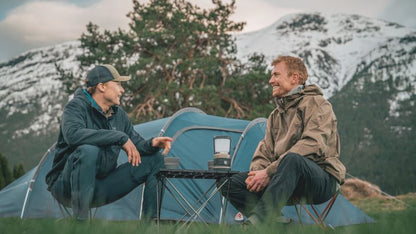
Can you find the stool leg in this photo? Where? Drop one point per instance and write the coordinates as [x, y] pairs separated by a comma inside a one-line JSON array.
[[329, 206], [310, 214], [95, 212], [320, 222], [298, 212]]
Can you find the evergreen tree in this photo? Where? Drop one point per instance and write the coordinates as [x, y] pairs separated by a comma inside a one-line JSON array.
[[5, 174], [250, 88], [18, 171], [179, 55]]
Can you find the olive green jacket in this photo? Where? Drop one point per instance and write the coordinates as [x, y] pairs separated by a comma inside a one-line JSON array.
[[303, 123]]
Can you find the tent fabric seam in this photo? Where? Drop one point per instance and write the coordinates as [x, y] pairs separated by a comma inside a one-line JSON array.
[[178, 113], [177, 134]]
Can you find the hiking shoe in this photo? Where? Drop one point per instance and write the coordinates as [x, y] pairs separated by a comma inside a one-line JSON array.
[[253, 219], [283, 220]]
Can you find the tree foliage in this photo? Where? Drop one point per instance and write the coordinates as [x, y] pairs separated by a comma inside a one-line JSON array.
[[180, 55], [18, 171], [6, 176]]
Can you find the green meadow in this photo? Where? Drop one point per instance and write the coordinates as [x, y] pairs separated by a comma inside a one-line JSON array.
[[391, 215]]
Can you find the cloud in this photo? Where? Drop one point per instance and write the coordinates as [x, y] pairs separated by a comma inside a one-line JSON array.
[[43, 23], [401, 11], [257, 14], [260, 14], [369, 8], [39, 22], [47, 22]]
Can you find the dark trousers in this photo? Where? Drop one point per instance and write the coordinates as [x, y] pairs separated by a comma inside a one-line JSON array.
[[296, 177], [81, 186]]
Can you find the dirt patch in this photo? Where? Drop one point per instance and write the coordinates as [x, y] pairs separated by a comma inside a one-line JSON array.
[[356, 189], [370, 198]]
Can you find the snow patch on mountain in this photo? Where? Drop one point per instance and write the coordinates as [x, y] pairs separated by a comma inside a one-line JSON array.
[[30, 83], [332, 45]]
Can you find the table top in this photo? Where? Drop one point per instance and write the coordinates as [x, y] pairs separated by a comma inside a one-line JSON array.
[[195, 174]]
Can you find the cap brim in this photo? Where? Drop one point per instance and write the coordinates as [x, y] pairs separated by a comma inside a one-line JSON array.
[[122, 78]]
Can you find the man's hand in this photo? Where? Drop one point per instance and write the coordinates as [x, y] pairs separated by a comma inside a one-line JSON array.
[[257, 180], [162, 142], [132, 153]]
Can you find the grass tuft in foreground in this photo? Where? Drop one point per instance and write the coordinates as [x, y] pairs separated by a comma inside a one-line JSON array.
[[391, 216]]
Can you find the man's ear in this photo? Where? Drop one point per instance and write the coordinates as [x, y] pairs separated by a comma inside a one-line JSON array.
[[295, 78], [101, 87]]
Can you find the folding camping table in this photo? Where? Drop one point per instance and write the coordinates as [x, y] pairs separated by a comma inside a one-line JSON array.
[[193, 210]]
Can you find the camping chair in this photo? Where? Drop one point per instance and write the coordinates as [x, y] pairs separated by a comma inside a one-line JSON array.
[[66, 213], [317, 217]]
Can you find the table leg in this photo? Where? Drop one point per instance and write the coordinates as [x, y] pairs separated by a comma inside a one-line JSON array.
[[224, 202], [184, 199], [159, 197]]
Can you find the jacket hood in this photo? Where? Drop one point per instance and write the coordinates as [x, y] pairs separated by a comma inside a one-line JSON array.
[[80, 95], [312, 90], [290, 100]]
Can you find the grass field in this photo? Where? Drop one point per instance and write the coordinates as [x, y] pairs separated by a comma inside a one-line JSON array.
[[391, 216]]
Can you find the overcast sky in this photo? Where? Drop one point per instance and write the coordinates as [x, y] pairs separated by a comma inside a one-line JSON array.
[[28, 24]]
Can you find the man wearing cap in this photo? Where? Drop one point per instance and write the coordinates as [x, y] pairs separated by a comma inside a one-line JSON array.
[[93, 130], [299, 155]]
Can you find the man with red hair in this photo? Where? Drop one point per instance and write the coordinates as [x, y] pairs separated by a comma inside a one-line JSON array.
[[299, 155]]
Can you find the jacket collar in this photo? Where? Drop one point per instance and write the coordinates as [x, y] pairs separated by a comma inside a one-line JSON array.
[[296, 95], [84, 96], [290, 99]]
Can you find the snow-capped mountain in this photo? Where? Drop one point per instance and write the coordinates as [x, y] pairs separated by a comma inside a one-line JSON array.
[[31, 101], [331, 45], [31, 83], [351, 57]]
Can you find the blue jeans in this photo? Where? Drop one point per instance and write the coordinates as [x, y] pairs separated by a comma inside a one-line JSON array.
[[83, 183]]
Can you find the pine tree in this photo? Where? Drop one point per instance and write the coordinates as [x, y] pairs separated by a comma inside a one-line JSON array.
[[5, 174], [18, 171], [179, 55]]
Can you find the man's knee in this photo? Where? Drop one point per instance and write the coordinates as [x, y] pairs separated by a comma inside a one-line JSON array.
[[150, 166], [224, 187], [88, 154], [292, 158], [88, 148], [153, 162], [233, 184], [158, 161]]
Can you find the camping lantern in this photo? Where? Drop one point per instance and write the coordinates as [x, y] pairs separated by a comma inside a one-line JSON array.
[[222, 145], [222, 160]]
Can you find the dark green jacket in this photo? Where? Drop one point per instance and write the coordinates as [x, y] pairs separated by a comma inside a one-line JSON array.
[[83, 122]]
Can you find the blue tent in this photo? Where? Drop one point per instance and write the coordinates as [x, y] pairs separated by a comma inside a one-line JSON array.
[[193, 132]]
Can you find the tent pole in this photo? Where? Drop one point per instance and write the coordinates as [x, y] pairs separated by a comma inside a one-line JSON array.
[[32, 181], [29, 189], [141, 202], [248, 127], [177, 113]]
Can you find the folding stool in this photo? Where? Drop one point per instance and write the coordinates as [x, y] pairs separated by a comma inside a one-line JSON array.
[[66, 213], [318, 218]]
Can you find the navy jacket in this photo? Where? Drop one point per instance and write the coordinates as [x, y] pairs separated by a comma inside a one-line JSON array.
[[83, 122]]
